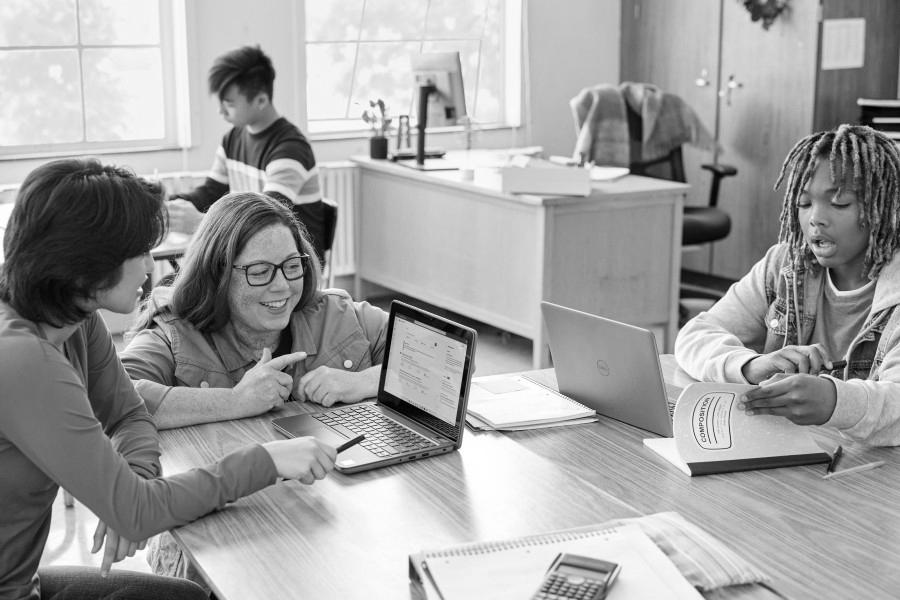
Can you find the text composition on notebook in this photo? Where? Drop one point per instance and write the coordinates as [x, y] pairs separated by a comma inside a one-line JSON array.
[[425, 368]]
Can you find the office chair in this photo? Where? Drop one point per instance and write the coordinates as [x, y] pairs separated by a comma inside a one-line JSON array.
[[701, 224], [329, 225]]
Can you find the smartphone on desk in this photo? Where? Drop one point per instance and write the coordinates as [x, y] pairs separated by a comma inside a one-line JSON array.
[[572, 576]]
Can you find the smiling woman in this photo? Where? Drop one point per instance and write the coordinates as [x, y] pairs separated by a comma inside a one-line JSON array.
[[244, 309], [244, 328]]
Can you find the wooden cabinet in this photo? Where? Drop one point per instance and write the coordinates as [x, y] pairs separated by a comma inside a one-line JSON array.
[[674, 44]]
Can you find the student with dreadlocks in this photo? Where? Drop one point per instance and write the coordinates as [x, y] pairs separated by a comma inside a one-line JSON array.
[[828, 291]]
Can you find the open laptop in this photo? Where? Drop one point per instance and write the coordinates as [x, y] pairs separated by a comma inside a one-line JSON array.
[[609, 366], [420, 409]]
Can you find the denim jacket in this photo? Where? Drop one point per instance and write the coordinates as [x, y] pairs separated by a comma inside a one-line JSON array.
[[332, 329], [775, 305]]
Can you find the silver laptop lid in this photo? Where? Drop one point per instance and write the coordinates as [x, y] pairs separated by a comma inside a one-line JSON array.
[[609, 366]]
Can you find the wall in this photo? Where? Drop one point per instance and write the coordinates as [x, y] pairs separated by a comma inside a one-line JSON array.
[[572, 44]]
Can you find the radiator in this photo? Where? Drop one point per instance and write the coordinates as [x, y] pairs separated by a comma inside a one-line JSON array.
[[339, 181]]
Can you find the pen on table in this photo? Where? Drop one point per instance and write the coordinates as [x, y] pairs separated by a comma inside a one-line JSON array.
[[835, 459], [856, 469], [350, 443]]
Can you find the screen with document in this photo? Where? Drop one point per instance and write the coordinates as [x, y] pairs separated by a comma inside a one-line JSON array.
[[425, 368]]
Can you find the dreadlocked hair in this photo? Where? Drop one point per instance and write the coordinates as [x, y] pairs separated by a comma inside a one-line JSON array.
[[859, 157]]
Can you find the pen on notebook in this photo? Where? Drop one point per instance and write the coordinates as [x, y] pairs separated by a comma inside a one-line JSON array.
[[856, 469], [835, 459], [350, 443]]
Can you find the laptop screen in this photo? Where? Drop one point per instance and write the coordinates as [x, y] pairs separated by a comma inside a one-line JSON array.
[[427, 368]]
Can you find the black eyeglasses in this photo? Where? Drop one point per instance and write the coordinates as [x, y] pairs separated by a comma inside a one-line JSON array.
[[262, 273]]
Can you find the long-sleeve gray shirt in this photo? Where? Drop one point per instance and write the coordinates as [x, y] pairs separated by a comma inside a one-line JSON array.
[[70, 417]]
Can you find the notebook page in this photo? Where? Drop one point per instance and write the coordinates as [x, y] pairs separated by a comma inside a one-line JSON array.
[[513, 570]]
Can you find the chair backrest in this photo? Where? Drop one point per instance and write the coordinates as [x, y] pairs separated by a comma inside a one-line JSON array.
[[329, 226], [670, 166]]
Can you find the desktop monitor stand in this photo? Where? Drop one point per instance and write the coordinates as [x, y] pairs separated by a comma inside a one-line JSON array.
[[421, 163]]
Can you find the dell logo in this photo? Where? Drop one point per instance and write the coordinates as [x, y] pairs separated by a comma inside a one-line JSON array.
[[603, 367]]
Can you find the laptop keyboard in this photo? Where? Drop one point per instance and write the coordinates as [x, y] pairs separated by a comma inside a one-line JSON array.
[[384, 436]]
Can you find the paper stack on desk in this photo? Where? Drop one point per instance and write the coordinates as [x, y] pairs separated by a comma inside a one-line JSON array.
[[515, 402], [528, 175]]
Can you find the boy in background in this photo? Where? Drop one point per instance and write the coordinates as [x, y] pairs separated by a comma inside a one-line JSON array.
[[263, 151]]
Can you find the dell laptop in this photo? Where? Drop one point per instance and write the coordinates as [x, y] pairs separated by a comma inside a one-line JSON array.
[[609, 366], [420, 409]]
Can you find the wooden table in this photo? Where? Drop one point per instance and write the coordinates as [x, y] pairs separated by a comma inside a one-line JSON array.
[[349, 536], [493, 256]]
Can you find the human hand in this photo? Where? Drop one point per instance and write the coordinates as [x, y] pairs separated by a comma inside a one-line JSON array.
[[117, 547], [790, 359], [326, 385], [183, 216], [264, 386], [305, 459], [803, 399]]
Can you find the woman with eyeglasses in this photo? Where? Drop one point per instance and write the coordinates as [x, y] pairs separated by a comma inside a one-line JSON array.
[[78, 240], [244, 327]]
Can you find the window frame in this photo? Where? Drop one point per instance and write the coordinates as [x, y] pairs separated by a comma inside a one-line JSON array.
[[176, 103], [512, 71]]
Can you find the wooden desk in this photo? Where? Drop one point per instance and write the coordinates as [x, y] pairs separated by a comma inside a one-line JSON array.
[[493, 256], [349, 536], [816, 538]]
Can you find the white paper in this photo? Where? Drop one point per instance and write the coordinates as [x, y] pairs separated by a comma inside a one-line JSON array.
[[843, 44]]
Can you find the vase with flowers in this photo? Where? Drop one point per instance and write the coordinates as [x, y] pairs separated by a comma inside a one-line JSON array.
[[377, 118]]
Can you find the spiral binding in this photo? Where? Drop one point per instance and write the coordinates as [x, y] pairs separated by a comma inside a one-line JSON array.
[[480, 548]]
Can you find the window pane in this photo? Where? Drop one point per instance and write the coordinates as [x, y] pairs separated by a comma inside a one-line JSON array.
[[455, 19], [38, 23], [333, 20], [123, 94], [329, 77], [40, 97], [383, 71], [394, 20], [119, 22]]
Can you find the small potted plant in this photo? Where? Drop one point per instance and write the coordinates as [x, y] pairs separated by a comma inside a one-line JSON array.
[[376, 116]]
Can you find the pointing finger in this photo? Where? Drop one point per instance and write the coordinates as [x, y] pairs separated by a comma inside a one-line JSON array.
[[266, 356], [285, 360]]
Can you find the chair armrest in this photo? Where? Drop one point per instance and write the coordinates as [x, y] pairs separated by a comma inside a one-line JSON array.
[[719, 170]]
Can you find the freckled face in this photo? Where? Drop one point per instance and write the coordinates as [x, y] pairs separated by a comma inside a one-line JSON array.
[[122, 297], [258, 310], [831, 226]]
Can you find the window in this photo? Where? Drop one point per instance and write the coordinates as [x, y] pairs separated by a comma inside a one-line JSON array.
[[357, 50], [87, 75]]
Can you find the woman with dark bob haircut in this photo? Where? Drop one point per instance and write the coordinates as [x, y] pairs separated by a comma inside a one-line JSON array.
[[78, 240]]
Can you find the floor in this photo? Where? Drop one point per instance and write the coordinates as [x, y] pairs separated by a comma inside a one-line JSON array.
[[72, 529]]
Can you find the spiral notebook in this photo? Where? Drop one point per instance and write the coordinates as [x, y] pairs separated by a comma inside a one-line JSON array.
[[513, 569], [511, 402]]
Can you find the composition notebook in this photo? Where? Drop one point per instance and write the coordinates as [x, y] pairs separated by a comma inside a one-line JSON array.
[[512, 402], [513, 569], [713, 435]]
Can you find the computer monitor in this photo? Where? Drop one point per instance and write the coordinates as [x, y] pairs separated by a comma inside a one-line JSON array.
[[440, 99]]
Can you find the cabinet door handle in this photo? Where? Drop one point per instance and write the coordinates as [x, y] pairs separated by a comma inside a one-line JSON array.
[[703, 80], [731, 85]]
